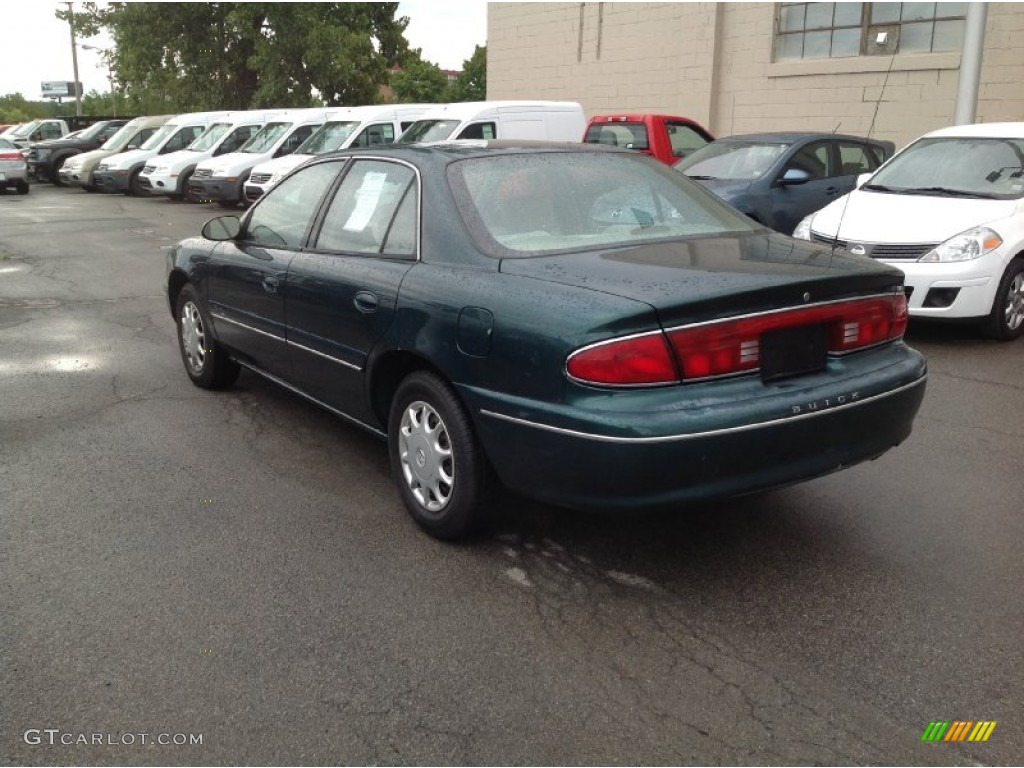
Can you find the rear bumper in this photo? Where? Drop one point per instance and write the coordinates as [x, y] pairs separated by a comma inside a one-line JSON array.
[[702, 447]]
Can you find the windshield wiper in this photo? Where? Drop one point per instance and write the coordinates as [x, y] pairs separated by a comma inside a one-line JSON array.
[[883, 188], [704, 178], [949, 192]]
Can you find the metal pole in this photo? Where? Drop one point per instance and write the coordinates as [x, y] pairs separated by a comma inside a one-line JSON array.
[[74, 60], [970, 64]]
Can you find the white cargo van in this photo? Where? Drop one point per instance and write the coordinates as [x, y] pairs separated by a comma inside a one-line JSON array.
[[221, 179], [169, 174], [345, 127], [120, 173], [544, 120]]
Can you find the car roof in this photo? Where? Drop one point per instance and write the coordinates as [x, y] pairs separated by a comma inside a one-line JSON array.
[[463, 148], [983, 130], [791, 137]]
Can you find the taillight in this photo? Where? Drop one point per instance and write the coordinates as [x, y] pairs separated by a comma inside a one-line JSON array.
[[632, 361], [733, 346], [10, 156]]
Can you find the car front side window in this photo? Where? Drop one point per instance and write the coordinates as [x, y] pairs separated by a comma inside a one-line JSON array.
[[815, 159], [282, 218], [373, 212]]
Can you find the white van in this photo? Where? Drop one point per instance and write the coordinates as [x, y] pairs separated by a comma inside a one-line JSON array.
[[545, 120], [948, 210], [120, 172], [221, 179], [169, 174], [345, 127]]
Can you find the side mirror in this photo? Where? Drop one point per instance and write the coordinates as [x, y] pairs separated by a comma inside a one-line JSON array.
[[222, 228], [795, 176], [863, 178]]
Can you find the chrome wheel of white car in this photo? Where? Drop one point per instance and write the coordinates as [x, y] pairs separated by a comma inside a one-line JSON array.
[[1015, 302], [1006, 320]]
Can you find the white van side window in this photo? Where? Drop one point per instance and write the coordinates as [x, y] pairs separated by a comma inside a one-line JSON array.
[[479, 131]]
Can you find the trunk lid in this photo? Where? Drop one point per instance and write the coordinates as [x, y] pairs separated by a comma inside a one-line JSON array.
[[689, 281]]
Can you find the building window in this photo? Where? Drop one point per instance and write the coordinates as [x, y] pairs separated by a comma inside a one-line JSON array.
[[833, 30]]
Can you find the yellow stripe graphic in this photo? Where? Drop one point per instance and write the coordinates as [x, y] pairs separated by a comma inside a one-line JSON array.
[[988, 731], [981, 726]]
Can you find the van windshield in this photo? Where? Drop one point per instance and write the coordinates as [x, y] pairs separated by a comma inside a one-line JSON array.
[[955, 166], [327, 138], [429, 130], [158, 138], [265, 139], [93, 131], [210, 138], [121, 138]]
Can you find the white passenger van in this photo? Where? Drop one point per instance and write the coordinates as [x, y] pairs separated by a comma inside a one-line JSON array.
[[169, 174], [120, 173], [221, 179], [545, 120], [345, 127]]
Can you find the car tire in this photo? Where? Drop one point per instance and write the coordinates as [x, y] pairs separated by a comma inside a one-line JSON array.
[[89, 187], [206, 363], [437, 462], [135, 189], [185, 195], [23, 187], [1006, 321], [55, 176], [229, 204]]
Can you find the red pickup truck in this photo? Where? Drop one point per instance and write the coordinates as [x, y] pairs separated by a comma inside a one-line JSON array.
[[664, 137]]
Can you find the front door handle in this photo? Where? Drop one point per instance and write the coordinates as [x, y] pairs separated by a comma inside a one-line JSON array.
[[271, 283], [365, 301]]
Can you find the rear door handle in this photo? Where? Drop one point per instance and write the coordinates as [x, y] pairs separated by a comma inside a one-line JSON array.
[[365, 301]]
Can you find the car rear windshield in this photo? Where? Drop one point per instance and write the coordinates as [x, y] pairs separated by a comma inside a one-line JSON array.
[[327, 138], [956, 166], [265, 139], [429, 130], [518, 205], [618, 134], [736, 160], [209, 138]]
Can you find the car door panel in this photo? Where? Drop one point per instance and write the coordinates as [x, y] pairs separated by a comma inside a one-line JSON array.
[[791, 202], [246, 277], [341, 294]]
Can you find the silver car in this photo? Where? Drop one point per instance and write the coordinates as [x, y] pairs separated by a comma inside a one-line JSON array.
[[13, 167]]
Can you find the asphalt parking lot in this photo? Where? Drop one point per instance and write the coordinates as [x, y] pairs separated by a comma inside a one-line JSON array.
[[238, 565]]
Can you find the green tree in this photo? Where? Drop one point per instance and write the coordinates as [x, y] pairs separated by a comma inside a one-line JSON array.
[[419, 82], [472, 83], [15, 108], [174, 57]]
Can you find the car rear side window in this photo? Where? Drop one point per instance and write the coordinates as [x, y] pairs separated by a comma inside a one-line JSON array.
[[855, 159], [284, 215], [684, 138], [373, 212]]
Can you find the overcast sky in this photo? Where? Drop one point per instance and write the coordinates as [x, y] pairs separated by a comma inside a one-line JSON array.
[[36, 46]]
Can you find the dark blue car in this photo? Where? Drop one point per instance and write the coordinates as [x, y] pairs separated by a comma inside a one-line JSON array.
[[778, 178]]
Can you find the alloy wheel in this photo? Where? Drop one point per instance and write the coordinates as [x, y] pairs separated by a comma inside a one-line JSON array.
[[1015, 302], [427, 460], [193, 337]]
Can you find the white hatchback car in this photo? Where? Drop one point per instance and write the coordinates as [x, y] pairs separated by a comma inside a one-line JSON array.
[[948, 210]]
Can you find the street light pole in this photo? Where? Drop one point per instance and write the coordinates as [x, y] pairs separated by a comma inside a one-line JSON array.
[[74, 60], [105, 53]]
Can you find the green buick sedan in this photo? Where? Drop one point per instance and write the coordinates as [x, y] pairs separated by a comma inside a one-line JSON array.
[[577, 324]]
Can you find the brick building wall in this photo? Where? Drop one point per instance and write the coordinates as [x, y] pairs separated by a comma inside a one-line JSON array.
[[713, 62]]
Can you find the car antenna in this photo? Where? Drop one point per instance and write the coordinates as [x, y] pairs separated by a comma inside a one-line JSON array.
[[836, 129], [871, 128]]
